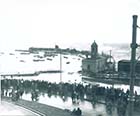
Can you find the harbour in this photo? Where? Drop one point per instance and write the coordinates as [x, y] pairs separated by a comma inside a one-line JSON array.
[[69, 58]]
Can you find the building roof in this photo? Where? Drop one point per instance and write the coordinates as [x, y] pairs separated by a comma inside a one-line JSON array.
[[127, 61]]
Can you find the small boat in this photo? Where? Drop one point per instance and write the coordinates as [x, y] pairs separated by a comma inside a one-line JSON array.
[[22, 61], [49, 59], [66, 57], [1, 52], [81, 56], [37, 60], [24, 53], [70, 73], [67, 62], [11, 54]]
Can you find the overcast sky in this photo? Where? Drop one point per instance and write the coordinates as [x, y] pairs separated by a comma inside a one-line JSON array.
[[43, 23]]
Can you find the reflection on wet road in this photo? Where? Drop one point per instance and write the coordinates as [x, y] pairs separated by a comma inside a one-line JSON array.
[[88, 108], [8, 109]]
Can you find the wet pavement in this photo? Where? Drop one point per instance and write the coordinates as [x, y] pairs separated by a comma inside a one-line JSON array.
[[53, 108], [41, 109], [88, 109], [10, 109]]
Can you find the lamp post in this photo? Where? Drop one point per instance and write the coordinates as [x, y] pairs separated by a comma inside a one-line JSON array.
[[60, 65], [132, 67]]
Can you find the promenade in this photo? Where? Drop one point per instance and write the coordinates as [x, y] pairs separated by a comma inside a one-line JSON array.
[[41, 109], [46, 110], [10, 109]]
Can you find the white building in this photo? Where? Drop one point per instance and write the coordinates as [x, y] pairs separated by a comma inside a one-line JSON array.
[[95, 63]]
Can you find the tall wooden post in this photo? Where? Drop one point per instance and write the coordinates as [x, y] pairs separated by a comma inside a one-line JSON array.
[[132, 67]]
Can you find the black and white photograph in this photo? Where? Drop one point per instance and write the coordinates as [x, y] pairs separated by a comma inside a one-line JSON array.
[[69, 57]]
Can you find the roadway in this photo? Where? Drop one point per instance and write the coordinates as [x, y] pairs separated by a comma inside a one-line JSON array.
[[9, 109]]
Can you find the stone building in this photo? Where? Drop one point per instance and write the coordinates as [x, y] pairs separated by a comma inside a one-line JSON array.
[[95, 63]]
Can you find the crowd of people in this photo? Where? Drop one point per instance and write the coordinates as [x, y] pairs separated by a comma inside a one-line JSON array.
[[77, 91]]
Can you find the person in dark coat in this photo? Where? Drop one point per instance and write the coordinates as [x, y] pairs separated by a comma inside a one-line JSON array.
[[78, 112]]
